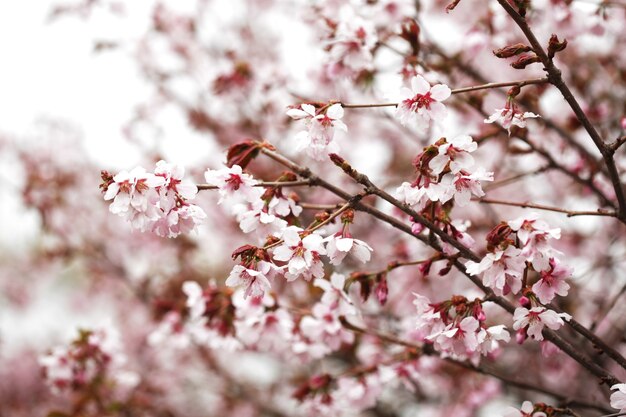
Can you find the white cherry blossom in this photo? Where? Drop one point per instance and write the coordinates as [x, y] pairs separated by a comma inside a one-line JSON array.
[[618, 398], [509, 116], [301, 254], [233, 184], [339, 246], [317, 140], [421, 104]]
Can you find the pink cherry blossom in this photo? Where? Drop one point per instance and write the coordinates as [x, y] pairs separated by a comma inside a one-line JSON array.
[[334, 294], [458, 339], [351, 48], [301, 254], [175, 183], [255, 281], [179, 220], [502, 270], [489, 338], [134, 190], [283, 206], [534, 234], [534, 320], [256, 218], [462, 186], [552, 282], [421, 104]]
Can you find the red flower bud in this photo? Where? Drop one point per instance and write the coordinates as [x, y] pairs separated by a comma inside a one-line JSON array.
[[554, 46], [512, 50], [525, 60], [452, 5]]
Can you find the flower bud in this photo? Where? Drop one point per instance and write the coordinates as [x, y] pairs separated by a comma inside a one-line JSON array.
[[555, 46], [452, 5], [242, 153], [381, 290], [524, 61], [524, 301], [512, 50]]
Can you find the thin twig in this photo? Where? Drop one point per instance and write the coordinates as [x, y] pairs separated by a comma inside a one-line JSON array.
[[487, 86], [570, 213], [262, 184]]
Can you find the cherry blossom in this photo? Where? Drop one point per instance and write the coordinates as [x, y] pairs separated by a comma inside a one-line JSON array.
[[317, 140], [534, 320], [502, 270], [350, 49], [134, 195], [421, 104], [510, 116], [459, 339], [179, 220], [462, 186], [175, 183], [490, 337], [92, 357], [534, 234], [255, 217], [456, 153], [255, 281], [527, 410], [552, 282], [233, 184], [338, 247], [618, 398], [302, 254]]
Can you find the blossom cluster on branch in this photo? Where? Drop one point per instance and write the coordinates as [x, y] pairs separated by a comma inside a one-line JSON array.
[[419, 210]]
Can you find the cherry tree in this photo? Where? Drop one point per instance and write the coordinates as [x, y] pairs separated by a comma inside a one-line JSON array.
[[410, 208]]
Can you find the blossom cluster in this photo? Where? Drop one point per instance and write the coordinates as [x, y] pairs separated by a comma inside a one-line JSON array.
[[218, 318], [321, 124], [94, 360], [157, 201], [457, 329], [445, 171], [514, 247]]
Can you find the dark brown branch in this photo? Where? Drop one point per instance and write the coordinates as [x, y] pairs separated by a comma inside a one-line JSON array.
[[507, 380], [556, 79], [550, 335]]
